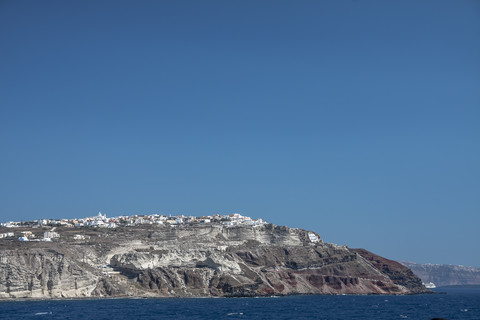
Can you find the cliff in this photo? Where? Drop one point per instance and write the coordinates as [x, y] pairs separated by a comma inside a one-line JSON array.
[[445, 274], [192, 261]]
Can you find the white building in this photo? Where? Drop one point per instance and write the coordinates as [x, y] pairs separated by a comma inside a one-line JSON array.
[[101, 217], [50, 235], [313, 237], [28, 234], [97, 223], [43, 222], [10, 224], [6, 235]]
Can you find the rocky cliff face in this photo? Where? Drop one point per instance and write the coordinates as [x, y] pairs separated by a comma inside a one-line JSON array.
[[201, 260], [444, 274]]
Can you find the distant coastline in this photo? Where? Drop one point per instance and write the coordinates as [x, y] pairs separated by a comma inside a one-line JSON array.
[[442, 275], [459, 286]]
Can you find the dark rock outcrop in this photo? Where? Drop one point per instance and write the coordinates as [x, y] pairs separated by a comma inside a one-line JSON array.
[[397, 272]]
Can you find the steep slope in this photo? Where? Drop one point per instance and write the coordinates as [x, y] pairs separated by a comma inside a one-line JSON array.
[[197, 260], [398, 273]]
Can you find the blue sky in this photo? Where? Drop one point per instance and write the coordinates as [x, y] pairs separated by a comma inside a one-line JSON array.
[[356, 119]]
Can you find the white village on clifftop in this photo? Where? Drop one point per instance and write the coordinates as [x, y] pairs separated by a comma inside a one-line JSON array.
[[102, 221]]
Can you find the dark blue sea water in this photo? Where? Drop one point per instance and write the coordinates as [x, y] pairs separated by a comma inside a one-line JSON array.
[[455, 304]]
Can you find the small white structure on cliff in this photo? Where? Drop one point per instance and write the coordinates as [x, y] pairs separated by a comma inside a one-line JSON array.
[[10, 224], [6, 235], [313, 237], [51, 235]]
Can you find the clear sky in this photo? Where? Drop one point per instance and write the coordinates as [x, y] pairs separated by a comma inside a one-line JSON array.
[[356, 119]]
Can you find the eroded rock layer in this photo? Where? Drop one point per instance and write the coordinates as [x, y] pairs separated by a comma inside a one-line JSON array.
[[199, 260]]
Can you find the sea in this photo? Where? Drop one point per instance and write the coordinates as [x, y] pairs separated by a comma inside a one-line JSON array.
[[448, 303]]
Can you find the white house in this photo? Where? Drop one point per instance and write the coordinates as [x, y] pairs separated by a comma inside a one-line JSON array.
[[6, 235], [313, 237], [50, 235]]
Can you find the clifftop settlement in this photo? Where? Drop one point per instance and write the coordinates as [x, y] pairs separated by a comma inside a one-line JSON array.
[[178, 256], [102, 221]]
